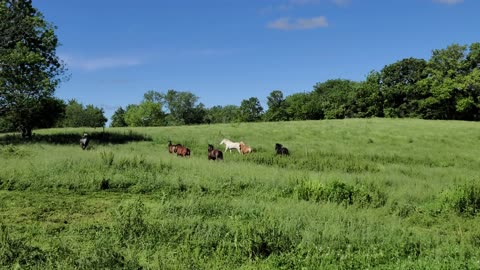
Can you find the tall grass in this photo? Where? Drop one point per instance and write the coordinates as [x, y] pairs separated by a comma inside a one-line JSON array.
[[353, 194]]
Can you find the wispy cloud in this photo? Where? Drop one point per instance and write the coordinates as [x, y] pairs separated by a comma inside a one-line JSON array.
[[314, 2], [92, 64], [299, 24], [448, 2], [109, 107], [292, 4]]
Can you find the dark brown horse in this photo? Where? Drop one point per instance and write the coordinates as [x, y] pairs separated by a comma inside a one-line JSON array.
[[172, 147], [281, 150], [182, 150], [214, 154]]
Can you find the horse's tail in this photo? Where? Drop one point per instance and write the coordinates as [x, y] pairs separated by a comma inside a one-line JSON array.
[[220, 155]]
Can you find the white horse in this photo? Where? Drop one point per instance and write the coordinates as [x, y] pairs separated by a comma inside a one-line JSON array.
[[229, 145]]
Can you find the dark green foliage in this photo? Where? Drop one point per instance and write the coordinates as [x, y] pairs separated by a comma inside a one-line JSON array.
[[183, 108], [76, 115], [303, 106], [277, 109], [222, 114], [30, 69], [336, 97], [148, 113], [118, 118], [398, 86], [250, 110]]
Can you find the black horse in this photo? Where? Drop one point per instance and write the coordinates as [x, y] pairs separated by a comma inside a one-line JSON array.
[[214, 154], [281, 150], [84, 141]]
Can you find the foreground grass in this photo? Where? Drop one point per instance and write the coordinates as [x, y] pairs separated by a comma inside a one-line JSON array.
[[354, 194]]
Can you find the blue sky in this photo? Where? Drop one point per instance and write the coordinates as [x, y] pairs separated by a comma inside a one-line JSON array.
[[225, 51]]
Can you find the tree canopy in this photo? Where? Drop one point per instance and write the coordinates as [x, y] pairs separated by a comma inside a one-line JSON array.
[[78, 115], [30, 70]]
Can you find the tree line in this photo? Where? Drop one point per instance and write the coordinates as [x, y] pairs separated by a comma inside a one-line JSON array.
[[446, 86]]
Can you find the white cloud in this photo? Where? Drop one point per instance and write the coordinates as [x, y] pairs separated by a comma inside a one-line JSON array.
[[298, 24], [448, 2], [293, 4], [92, 64]]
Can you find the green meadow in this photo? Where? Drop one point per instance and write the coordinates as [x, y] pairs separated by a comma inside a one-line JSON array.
[[353, 194]]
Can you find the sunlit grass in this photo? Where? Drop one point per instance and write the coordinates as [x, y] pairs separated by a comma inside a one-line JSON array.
[[353, 194]]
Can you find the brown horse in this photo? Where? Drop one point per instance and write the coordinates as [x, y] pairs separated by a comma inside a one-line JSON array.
[[245, 149], [214, 154], [172, 147], [182, 150]]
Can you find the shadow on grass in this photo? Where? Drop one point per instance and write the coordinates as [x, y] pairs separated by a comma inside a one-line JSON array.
[[74, 138]]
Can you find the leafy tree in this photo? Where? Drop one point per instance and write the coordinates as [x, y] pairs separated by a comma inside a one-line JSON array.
[[47, 113], [250, 110], [303, 106], [51, 111], [134, 116], [118, 118], [29, 67], [472, 60], [368, 100], [219, 114], [183, 108], [398, 84], [76, 115], [145, 114], [94, 116], [336, 97], [276, 107], [148, 113], [451, 81]]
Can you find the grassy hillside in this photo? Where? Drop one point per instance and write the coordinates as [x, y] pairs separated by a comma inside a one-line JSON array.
[[353, 194]]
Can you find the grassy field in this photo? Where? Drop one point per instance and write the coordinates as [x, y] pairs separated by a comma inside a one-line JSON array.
[[353, 194]]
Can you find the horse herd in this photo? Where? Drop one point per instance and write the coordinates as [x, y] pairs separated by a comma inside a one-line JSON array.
[[213, 154]]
